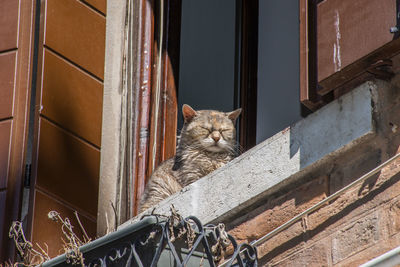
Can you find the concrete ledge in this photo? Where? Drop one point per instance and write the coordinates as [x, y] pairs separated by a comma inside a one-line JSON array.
[[279, 159]]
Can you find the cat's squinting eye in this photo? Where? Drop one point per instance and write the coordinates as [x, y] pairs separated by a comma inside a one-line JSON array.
[[205, 128]]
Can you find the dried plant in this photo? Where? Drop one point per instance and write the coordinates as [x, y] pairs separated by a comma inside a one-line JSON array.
[[222, 242], [73, 242], [29, 255], [6, 264], [34, 255], [178, 227]]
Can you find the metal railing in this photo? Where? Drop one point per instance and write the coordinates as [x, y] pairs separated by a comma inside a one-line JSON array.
[[174, 241], [163, 241]]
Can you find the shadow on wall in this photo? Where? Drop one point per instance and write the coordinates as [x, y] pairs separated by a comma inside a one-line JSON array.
[[333, 127], [331, 217]]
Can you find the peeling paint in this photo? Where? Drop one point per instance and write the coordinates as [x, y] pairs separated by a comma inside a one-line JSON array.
[[337, 61]]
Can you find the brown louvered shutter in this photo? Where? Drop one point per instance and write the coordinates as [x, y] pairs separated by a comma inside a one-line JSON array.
[[66, 159], [16, 50]]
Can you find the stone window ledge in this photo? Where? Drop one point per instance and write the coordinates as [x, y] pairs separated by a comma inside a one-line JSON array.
[[279, 160]]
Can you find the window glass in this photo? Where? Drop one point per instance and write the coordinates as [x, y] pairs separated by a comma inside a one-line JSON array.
[[278, 104], [207, 55]]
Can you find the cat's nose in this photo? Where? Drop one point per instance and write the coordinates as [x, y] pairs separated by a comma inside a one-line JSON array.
[[216, 136]]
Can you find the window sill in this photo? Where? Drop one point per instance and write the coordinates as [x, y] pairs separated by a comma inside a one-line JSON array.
[[279, 160]]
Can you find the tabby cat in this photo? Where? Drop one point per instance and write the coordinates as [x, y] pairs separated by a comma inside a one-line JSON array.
[[207, 142]]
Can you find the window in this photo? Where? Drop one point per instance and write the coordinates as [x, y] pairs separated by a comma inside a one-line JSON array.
[[220, 55], [263, 56], [229, 48]]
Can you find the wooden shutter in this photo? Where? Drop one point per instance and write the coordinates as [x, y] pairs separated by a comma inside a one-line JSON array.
[[16, 46], [156, 102], [69, 98], [308, 56], [345, 43], [353, 37]]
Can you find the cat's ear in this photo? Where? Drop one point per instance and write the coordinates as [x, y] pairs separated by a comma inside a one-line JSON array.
[[188, 113], [234, 114]]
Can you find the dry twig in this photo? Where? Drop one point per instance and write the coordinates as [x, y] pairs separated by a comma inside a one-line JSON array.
[[29, 255], [178, 227], [34, 257], [219, 248], [72, 243]]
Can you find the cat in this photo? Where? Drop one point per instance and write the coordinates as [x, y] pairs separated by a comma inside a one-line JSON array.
[[207, 142]]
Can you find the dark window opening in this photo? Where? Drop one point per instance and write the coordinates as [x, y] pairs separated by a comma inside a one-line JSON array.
[[207, 55], [242, 54]]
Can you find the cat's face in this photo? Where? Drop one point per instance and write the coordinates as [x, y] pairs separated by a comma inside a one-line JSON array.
[[211, 130]]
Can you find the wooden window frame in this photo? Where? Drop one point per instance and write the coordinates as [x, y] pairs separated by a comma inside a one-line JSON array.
[[309, 96], [147, 123], [155, 129]]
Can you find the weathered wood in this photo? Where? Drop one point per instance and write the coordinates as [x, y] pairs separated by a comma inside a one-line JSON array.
[[165, 80], [143, 98], [23, 80], [359, 68], [353, 35]]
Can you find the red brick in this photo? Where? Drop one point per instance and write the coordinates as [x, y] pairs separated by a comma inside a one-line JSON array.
[[355, 237], [283, 244], [394, 218], [317, 255], [278, 211], [371, 252], [356, 201], [361, 224]]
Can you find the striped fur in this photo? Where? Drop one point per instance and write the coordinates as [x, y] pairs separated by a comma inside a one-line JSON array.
[[207, 142]]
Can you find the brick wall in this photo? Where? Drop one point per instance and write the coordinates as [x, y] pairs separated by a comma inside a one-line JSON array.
[[361, 224]]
